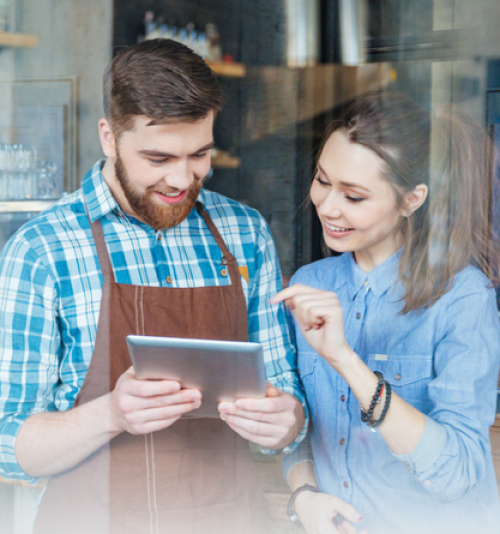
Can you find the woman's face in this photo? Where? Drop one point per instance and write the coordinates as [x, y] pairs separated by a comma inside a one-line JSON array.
[[355, 204]]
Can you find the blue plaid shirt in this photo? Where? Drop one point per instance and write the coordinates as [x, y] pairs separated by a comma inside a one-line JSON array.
[[51, 283]]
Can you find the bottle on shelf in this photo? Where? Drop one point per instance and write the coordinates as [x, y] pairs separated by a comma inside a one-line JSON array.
[[214, 47], [6, 16]]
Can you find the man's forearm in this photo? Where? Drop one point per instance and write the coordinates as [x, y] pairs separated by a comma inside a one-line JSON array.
[[52, 442]]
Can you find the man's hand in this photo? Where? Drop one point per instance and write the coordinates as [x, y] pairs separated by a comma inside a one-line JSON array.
[[143, 406], [272, 422], [321, 513]]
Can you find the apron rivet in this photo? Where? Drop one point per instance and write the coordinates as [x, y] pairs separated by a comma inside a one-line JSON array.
[[223, 272], [169, 279]]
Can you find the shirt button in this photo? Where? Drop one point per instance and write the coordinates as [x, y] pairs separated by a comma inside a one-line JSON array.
[[223, 272], [397, 376], [358, 316], [346, 484], [169, 279], [342, 398], [341, 441], [158, 237]]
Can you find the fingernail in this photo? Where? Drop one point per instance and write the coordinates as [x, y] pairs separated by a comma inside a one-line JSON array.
[[223, 416], [359, 518], [195, 397], [197, 404]]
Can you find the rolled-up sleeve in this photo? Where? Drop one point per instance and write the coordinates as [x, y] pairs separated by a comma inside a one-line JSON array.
[[27, 340], [268, 325], [451, 456]]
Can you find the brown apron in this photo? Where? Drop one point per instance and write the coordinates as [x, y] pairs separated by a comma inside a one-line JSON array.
[[194, 477]]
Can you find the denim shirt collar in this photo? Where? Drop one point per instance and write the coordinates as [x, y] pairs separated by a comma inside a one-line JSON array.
[[379, 280]]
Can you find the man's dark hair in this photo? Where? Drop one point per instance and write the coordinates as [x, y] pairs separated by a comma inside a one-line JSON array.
[[162, 80]]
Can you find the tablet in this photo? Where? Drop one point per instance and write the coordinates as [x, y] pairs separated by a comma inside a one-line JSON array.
[[221, 370]]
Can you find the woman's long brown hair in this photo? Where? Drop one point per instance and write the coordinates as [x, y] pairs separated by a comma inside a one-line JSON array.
[[447, 152]]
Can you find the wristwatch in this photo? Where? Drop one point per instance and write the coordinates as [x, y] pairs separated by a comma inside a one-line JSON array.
[[290, 510]]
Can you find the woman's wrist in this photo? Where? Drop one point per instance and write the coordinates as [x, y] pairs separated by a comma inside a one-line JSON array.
[[303, 502], [344, 361]]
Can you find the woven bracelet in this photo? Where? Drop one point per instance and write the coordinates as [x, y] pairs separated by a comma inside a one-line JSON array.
[[366, 417], [379, 421]]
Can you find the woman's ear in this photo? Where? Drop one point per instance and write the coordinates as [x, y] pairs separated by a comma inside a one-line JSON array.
[[414, 199], [107, 138]]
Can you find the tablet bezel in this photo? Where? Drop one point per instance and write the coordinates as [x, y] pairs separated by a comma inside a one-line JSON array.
[[222, 370]]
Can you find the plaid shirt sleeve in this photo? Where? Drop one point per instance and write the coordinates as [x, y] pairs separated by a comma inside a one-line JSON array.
[[28, 337], [269, 326]]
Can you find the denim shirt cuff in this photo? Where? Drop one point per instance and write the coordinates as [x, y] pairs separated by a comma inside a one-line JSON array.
[[427, 450]]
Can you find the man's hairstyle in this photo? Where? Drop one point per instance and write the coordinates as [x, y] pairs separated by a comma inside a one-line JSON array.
[[162, 80]]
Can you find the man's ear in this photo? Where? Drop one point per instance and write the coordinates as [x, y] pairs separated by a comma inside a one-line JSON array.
[[414, 199], [107, 138]]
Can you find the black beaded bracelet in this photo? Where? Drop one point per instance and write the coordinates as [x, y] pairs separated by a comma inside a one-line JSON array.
[[366, 417], [379, 421]]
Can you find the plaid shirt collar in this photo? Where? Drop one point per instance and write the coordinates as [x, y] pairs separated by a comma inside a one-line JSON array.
[[99, 198]]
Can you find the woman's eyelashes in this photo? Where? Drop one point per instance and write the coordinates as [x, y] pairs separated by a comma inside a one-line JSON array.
[[356, 200], [321, 180], [348, 196]]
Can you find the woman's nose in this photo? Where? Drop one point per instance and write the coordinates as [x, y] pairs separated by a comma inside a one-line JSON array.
[[329, 207]]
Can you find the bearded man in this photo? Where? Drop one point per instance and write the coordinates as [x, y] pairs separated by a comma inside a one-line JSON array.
[[142, 248]]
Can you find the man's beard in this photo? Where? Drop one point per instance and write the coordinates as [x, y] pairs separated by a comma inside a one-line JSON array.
[[148, 209]]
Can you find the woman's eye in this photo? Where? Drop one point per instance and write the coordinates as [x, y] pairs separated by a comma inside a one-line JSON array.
[[320, 181], [354, 199]]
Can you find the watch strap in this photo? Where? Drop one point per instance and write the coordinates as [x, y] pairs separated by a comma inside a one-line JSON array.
[[290, 510]]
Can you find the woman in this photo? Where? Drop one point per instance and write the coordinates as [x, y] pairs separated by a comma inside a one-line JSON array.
[[406, 449]]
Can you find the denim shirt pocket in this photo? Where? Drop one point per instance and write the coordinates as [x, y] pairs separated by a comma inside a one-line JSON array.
[[408, 374], [307, 364]]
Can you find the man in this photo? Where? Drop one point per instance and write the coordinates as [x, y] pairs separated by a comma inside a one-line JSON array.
[[141, 248]]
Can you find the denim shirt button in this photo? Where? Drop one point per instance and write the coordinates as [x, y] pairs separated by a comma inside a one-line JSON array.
[[346, 484], [397, 376], [358, 316]]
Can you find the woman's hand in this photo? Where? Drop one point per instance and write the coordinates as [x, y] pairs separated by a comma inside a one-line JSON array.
[[321, 513], [319, 316]]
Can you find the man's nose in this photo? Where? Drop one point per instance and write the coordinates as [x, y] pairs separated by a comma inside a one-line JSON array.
[[179, 176]]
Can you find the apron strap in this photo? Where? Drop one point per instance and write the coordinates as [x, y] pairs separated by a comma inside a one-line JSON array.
[[227, 258], [102, 249]]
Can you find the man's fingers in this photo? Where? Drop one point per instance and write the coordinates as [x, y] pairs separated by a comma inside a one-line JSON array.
[[263, 441], [161, 414], [128, 404], [148, 388]]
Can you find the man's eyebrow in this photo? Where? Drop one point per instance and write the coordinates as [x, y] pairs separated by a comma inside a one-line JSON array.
[[161, 154], [345, 184]]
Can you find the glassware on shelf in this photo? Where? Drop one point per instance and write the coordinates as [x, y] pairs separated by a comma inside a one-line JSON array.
[[17, 171], [6, 16], [46, 180]]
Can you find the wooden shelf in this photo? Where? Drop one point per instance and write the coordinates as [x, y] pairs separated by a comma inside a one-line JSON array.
[[229, 70], [25, 206], [225, 161], [19, 40]]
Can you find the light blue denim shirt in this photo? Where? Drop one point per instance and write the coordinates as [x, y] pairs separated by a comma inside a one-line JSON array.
[[443, 360]]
